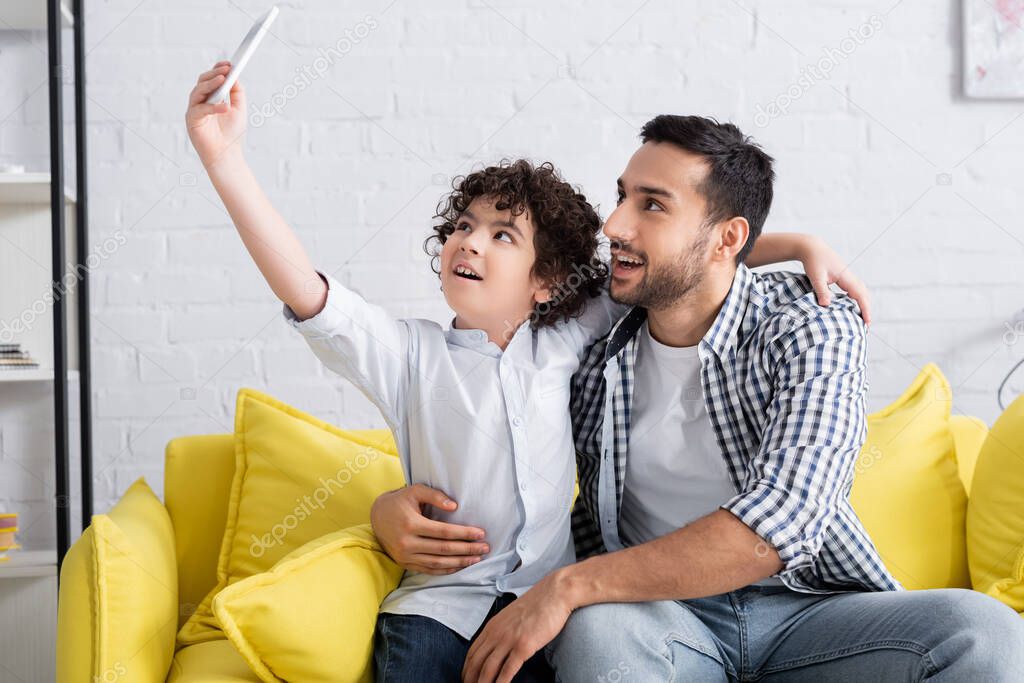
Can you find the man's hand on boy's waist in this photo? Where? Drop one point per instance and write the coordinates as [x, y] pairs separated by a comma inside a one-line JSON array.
[[420, 544]]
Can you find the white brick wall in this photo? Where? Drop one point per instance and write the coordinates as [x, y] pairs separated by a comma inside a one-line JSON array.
[[358, 160]]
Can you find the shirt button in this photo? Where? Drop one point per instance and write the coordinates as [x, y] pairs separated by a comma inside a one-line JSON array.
[[521, 545], [522, 486], [517, 421]]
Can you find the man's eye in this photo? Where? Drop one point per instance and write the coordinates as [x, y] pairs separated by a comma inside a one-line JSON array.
[[502, 232], [652, 205]]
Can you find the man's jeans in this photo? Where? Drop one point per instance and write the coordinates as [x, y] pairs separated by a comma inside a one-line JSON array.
[[771, 633], [416, 649]]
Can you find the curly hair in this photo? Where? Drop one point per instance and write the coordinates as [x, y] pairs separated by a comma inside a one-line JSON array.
[[565, 236]]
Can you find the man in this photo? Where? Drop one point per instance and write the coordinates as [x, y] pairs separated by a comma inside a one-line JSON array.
[[717, 427]]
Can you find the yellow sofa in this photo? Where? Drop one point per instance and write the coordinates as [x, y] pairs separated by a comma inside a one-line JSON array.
[[196, 506]]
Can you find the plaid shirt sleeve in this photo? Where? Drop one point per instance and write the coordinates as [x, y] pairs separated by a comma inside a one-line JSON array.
[[814, 429]]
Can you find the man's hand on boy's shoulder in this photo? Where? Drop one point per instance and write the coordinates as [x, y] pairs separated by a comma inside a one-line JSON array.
[[420, 544]]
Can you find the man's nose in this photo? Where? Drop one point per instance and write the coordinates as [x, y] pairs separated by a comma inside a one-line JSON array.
[[619, 225]]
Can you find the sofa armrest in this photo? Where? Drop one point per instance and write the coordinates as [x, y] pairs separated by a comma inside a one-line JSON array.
[[117, 603]]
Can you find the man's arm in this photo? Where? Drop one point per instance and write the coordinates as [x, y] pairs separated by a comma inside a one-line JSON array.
[[814, 429], [718, 551], [714, 554]]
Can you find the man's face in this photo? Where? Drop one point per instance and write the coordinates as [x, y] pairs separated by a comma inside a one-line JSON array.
[[497, 249], [658, 233]]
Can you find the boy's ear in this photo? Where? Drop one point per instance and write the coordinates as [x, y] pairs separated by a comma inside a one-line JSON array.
[[542, 294]]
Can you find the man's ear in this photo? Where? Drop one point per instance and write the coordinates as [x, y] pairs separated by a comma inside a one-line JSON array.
[[733, 235]]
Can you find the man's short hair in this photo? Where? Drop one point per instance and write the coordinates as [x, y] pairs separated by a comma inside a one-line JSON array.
[[740, 175]]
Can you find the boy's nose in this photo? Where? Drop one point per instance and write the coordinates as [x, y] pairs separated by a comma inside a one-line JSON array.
[[470, 241]]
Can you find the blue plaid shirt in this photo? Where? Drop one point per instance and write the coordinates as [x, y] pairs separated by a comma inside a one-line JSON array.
[[784, 386]]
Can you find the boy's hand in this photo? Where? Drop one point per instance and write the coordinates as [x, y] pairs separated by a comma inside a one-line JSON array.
[[215, 129], [418, 543], [824, 267]]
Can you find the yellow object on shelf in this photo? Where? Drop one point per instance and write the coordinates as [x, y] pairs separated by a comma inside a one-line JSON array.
[[8, 527], [4, 549]]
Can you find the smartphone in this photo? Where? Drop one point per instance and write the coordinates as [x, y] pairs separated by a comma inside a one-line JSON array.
[[242, 55]]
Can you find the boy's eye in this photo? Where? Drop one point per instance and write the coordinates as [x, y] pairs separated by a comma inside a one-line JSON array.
[[462, 225], [502, 232]]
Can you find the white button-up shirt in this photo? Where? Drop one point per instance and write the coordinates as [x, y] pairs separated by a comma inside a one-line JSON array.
[[489, 428]]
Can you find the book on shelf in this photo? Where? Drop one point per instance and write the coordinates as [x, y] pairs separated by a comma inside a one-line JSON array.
[[13, 357], [19, 363]]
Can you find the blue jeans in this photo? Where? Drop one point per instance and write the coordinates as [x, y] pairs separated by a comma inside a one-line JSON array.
[[413, 649], [770, 633]]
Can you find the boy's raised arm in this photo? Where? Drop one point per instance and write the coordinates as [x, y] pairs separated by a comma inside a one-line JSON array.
[[217, 132]]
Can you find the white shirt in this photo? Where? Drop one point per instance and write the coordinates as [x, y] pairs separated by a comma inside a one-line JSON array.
[[489, 428], [675, 472]]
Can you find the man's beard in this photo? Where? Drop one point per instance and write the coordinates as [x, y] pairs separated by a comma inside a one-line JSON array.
[[667, 284]]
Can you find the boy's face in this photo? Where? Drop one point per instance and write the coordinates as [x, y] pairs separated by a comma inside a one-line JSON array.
[[497, 250]]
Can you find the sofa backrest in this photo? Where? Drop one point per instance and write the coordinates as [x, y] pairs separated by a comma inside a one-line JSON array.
[[198, 471], [968, 434], [197, 486]]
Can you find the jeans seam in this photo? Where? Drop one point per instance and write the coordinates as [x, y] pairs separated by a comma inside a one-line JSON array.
[[741, 632], [676, 637], [929, 664], [387, 657], [909, 645]]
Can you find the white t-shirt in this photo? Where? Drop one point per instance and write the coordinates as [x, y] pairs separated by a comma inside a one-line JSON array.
[[675, 472]]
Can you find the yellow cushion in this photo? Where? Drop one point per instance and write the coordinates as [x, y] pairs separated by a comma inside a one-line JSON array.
[[312, 617], [119, 600], [907, 489], [214, 661], [296, 478], [995, 513], [968, 435]]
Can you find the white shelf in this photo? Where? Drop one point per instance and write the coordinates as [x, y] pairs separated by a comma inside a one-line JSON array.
[[23, 563], [29, 188], [34, 375], [31, 15]]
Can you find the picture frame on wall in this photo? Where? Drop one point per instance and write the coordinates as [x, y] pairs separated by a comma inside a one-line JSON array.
[[993, 49]]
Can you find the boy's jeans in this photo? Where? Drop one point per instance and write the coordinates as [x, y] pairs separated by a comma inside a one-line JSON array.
[[771, 633], [415, 649]]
